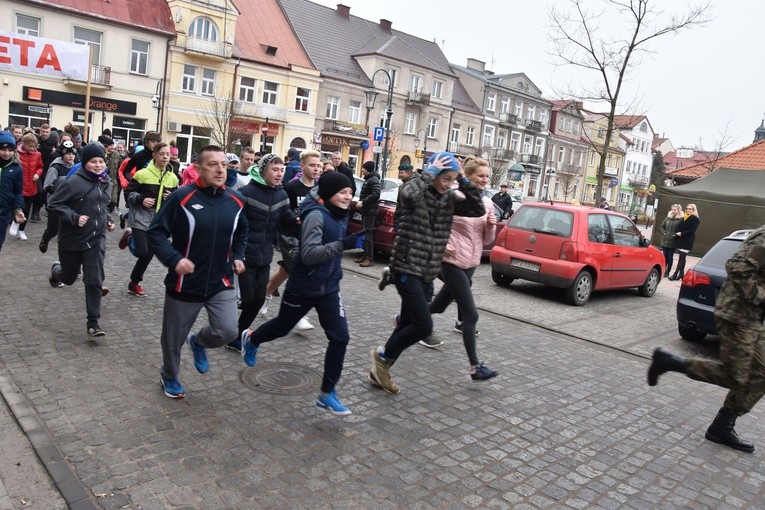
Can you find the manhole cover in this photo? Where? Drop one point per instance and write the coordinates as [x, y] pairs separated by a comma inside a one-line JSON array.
[[281, 378]]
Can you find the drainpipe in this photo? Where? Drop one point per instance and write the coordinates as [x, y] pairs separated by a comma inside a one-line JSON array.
[[163, 97], [449, 131], [231, 103]]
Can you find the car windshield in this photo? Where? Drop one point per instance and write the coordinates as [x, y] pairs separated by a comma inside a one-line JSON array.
[[720, 253], [389, 195], [543, 220]]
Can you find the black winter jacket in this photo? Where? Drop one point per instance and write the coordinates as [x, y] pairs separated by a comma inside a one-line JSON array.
[[687, 229], [79, 195], [267, 210], [370, 194]]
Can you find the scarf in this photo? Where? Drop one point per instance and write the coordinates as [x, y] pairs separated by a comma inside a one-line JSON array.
[[686, 216]]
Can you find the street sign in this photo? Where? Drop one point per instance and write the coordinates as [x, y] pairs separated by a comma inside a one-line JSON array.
[[379, 134], [376, 149], [364, 145], [38, 109]]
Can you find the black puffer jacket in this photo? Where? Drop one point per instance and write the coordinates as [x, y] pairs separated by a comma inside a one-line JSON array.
[[687, 229], [425, 222], [266, 209], [370, 194]]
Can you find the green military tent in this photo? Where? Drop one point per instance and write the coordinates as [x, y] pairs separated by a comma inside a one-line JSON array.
[[727, 200]]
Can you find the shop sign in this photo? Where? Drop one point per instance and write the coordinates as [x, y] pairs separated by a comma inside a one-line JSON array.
[[78, 100]]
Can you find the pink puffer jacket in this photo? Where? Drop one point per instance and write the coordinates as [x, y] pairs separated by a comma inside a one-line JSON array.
[[468, 237]]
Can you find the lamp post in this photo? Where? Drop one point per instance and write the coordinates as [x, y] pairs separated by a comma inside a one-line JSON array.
[[371, 95], [424, 144], [156, 102]]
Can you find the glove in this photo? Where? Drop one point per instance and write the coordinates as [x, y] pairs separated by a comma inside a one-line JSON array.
[[349, 242]]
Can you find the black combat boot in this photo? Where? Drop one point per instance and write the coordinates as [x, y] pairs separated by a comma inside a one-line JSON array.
[[664, 361], [721, 431]]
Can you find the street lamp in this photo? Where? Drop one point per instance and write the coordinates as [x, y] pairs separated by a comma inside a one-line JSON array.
[[156, 101], [371, 95], [424, 145]]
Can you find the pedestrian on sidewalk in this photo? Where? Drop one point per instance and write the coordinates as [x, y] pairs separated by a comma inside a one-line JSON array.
[[146, 192], [428, 205], [81, 203], [314, 282], [461, 256], [200, 234], [11, 185], [369, 199], [668, 239], [684, 238], [739, 313]]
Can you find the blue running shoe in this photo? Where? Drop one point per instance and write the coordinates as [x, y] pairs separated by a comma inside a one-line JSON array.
[[332, 404], [172, 387], [482, 373], [201, 364], [249, 351]]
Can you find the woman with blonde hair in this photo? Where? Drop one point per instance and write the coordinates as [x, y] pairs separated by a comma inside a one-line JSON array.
[[668, 239], [685, 234]]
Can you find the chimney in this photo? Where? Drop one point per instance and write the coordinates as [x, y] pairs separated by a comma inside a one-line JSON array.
[[385, 25], [477, 65], [344, 11]]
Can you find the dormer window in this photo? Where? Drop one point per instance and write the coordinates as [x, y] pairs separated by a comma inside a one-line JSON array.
[[203, 28]]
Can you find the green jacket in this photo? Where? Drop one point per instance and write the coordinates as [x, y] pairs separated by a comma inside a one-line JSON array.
[[149, 182], [667, 230], [740, 300]]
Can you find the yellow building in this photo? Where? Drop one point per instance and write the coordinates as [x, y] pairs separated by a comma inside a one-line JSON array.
[[595, 125]]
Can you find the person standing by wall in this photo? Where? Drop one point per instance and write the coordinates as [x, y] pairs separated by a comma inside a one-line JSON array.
[[668, 239], [684, 238], [200, 234], [739, 313], [369, 200]]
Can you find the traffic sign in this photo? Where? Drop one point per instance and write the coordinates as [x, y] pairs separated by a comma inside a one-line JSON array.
[[376, 149], [364, 145], [379, 134]]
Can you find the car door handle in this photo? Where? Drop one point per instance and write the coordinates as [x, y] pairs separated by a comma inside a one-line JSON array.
[[617, 255]]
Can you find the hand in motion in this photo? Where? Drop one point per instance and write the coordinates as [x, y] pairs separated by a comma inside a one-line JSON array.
[[184, 267]]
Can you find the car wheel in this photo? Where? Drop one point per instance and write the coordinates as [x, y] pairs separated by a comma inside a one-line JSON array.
[[650, 285], [691, 334], [581, 290], [501, 279]]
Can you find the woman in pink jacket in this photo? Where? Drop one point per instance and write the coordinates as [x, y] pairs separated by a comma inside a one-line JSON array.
[[462, 255]]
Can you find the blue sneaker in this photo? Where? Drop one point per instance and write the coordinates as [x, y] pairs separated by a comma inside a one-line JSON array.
[[249, 351], [332, 404], [172, 387], [200, 356], [236, 345]]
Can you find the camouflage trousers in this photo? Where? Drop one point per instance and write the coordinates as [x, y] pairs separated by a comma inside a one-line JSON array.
[[741, 367]]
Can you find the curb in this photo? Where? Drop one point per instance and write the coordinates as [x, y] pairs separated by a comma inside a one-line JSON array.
[[59, 470]]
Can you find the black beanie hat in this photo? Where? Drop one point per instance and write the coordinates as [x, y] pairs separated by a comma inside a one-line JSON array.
[[330, 183], [90, 151]]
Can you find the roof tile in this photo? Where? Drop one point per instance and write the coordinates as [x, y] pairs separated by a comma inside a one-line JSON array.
[[154, 16], [751, 157]]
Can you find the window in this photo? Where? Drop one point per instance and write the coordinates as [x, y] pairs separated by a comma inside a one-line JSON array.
[[469, 136], [333, 108], [539, 147], [598, 230], [644, 127], [415, 83], [543, 117], [203, 28], [527, 145], [432, 125], [488, 136], [301, 99], [601, 133], [561, 154], [189, 83], [491, 102], [531, 112], [456, 128], [592, 158], [410, 123], [139, 56], [247, 90], [438, 89], [515, 141], [208, 82], [624, 232], [27, 25], [505, 105], [354, 112], [392, 72], [501, 139], [519, 110], [89, 38], [577, 127], [270, 90]]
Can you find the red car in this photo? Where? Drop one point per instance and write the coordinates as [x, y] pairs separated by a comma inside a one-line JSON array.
[[579, 249], [384, 234]]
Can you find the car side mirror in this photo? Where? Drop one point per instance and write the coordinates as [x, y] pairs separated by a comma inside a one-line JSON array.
[[644, 242]]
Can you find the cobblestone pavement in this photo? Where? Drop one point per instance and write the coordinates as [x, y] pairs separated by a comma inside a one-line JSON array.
[[567, 424]]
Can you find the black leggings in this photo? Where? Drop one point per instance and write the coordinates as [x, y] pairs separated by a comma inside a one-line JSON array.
[[28, 205], [144, 253], [457, 288], [681, 262]]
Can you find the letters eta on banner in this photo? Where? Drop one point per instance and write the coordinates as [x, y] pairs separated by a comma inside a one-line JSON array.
[[24, 53]]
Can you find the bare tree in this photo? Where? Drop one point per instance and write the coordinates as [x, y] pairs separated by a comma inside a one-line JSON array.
[[578, 41], [498, 162], [567, 182], [217, 118]]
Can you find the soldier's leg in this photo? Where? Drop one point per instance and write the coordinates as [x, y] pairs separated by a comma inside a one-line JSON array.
[[743, 399]]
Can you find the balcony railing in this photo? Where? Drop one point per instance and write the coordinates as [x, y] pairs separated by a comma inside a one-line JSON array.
[[532, 159], [508, 118], [260, 111], [216, 48], [568, 168], [534, 125], [101, 75], [348, 128], [504, 154], [418, 97]]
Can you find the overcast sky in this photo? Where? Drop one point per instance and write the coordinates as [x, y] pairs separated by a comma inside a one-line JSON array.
[[692, 87]]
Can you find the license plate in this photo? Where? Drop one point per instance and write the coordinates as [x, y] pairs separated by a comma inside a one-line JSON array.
[[357, 216], [525, 264]]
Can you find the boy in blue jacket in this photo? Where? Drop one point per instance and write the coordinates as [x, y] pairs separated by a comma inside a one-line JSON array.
[[11, 183]]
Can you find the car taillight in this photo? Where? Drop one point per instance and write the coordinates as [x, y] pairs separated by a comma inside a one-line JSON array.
[[693, 278], [386, 217], [568, 251], [502, 238]]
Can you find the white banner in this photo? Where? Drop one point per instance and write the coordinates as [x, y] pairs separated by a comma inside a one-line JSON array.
[[24, 53]]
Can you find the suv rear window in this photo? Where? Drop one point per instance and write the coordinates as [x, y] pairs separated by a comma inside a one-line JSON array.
[[721, 252], [543, 220]]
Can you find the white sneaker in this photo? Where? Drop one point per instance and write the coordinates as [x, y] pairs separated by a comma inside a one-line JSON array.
[[264, 308], [303, 325], [22, 235], [14, 229]]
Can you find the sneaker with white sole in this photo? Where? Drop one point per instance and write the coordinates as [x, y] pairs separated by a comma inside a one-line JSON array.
[[236, 345], [458, 327], [303, 325], [264, 309], [172, 387], [14, 229], [249, 351], [332, 404], [22, 235], [379, 375], [384, 278], [201, 364], [431, 342]]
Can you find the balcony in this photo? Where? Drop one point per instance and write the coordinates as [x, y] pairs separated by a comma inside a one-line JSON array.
[[504, 154], [568, 168], [534, 125], [218, 49], [418, 98], [508, 119], [531, 159], [260, 111], [462, 149], [612, 170], [100, 78], [637, 181], [346, 128]]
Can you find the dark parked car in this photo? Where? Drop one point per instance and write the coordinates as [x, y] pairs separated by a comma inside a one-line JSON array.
[[384, 233], [700, 286]]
